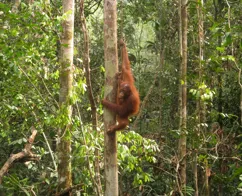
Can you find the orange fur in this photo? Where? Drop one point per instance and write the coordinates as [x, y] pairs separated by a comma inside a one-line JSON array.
[[128, 100]]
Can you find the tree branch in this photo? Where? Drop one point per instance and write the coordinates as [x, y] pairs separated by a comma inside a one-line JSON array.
[[26, 153]]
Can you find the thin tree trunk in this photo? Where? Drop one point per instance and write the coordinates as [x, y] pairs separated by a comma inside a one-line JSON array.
[[111, 67], [200, 104], [183, 94], [66, 80], [178, 181], [217, 14], [239, 81], [195, 173], [161, 62], [161, 42], [97, 183], [240, 104], [218, 8]]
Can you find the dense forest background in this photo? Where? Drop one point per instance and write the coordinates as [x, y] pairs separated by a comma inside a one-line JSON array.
[[148, 150]]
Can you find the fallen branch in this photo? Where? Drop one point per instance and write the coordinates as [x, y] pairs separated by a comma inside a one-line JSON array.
[[26, 154]]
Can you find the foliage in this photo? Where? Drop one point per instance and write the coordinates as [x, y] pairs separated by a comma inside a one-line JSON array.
[[29, 90], [29, 86], [136, 156]]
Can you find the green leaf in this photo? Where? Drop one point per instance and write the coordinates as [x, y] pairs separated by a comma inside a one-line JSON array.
[[231, 58], [220, 49], [228, 39]]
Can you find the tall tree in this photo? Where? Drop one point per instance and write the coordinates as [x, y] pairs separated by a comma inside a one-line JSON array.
[[66, 80], [218, 14], [86, 57], [111, 67], [201, 107], [183, 95]]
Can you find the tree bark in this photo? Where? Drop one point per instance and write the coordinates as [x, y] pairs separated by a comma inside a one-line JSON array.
[[201, 107], [200, 104], [218, 7], [111, 67], [183, 98], [25, 153], [66, 80]]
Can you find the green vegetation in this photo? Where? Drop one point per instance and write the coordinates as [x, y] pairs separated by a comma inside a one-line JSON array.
[[148, 150]]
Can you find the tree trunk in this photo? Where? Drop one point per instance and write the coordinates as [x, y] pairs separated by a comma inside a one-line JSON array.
[[218, 7], [66, 79], [201, 111], [183, 98], [97, 180], [240, 105], [111, 67], [201, 105]]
